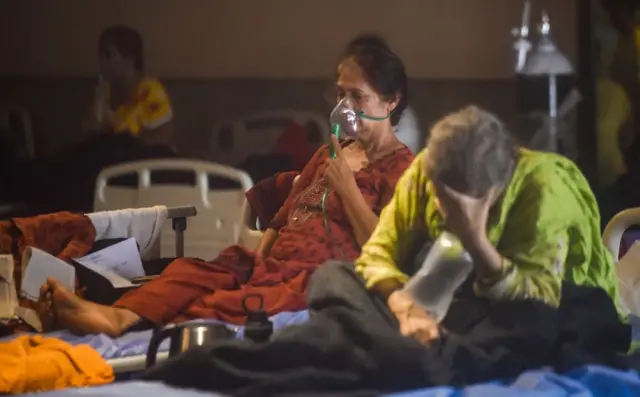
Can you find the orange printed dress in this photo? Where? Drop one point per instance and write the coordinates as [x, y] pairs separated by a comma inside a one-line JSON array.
[[150, 109], [191, 288]]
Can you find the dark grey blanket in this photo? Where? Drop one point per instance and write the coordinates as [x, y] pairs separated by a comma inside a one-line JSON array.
[[351, 345]]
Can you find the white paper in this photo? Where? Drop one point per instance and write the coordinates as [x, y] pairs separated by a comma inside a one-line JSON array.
[[122, 258], [30, 317], [41, 266], [118, 263], [116, 280]]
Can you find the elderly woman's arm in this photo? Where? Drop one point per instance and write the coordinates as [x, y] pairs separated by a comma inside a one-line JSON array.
[[393, 236], [529, 261], [280, 219], [362, 219]]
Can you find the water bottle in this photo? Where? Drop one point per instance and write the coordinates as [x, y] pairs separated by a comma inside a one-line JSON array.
[[445, 268], [257, 327]]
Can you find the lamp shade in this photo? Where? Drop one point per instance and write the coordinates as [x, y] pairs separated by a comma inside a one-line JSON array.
[[546, 59]]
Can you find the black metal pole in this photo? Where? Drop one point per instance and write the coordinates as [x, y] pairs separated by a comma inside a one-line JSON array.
[[586, 80]]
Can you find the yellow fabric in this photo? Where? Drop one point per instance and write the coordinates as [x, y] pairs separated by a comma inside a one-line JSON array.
[[34, 363], [150, 109], [614, 111], [546, 226]]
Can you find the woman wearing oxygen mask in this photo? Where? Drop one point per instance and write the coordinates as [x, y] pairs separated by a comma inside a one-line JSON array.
[[329, 214]]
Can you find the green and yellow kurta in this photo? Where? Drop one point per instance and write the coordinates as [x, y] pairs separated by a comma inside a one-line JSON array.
[[546, 226]]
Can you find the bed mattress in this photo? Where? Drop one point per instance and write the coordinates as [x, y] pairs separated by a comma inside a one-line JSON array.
[[591, 381], [128, 352]]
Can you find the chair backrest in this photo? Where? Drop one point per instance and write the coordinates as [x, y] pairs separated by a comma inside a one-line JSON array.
[[628, 268], [251, 235], [15, 126], [616, 228], [219, 222], [233, 141]]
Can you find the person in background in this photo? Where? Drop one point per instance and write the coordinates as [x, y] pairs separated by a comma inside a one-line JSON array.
[[125, 100], [131, 119], [618, 100], [528, 220], [616, 33], [617, 38], [306, 231], [614, 127]]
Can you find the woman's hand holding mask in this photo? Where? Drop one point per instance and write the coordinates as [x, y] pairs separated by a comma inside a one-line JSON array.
[[338, 174]]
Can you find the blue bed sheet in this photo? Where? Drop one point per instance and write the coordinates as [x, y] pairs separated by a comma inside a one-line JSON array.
[[590, 381], [136, 343]]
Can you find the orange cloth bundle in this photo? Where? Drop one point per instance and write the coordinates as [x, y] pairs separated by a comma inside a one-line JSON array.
[[35, 363]]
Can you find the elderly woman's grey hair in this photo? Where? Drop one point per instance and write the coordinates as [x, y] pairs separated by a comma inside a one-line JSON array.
[[471, 151]]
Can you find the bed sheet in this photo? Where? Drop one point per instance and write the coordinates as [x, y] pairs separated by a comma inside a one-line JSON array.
[[590, 381], [136, 343]]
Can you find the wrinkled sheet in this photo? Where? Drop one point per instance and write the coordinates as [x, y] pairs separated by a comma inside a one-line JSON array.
[[136, 343], [590, 381]]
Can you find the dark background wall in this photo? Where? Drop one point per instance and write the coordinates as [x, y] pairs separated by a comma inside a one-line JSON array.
[[224, 58]]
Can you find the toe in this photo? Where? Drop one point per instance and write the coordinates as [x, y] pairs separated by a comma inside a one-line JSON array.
[[52, 283]]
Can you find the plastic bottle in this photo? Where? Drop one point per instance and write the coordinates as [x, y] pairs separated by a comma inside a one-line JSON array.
[[258, 327], [445, 268]]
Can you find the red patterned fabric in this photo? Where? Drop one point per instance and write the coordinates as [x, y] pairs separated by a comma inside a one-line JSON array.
[[267, 196], [191, 288], [64, 235]]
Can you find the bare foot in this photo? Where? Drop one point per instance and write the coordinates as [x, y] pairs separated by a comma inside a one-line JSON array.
[[60, 308]]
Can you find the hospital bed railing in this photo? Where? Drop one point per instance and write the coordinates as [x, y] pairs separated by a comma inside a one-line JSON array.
[[178, 216], [616, 228], [232, 141], [219, 208]]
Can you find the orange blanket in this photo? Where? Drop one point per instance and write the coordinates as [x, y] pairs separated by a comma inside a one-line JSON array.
[[34, 364]]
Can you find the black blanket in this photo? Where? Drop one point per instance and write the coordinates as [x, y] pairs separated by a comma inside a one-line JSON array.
[[351, 346]]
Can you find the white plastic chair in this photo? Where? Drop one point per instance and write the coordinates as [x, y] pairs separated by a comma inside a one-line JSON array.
[[628, 268], [233, 141], [24, 135], [250, 236], [616, 227], [219, 222]]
